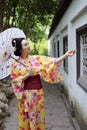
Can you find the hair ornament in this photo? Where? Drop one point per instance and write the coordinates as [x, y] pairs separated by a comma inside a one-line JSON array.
[[14, 48], [14, 41]]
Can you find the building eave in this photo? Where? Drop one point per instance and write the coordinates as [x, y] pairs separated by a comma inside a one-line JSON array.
[[62, 7]]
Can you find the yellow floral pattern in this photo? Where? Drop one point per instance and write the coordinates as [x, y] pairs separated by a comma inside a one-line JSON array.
[[31, 102]]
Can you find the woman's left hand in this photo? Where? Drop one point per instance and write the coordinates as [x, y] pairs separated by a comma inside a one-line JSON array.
[[71, 52]]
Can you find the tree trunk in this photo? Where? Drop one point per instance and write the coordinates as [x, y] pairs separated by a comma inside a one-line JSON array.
[[13, 20], [35, 49], [2, 2]]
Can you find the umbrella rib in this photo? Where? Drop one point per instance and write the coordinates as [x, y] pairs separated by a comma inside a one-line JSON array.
[[10, 34], [6, 68], [2, 42], [2, 48]]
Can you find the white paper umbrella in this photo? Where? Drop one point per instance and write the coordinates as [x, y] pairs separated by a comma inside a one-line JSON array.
[[6, 49]]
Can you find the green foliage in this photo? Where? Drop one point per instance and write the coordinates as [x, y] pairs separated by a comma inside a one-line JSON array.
[[42, 48], [32, 16], [28, 15]]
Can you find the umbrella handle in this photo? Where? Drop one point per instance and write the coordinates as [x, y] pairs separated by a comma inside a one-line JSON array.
[[9, 56], [18, 61]]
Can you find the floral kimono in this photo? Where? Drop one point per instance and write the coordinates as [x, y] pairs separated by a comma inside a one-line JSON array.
[[31, 102]]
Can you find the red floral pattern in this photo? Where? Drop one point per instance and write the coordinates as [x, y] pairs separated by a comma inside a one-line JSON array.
[[31, 102]]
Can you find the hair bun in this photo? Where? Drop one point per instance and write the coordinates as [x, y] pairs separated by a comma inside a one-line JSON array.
[[17, 46]]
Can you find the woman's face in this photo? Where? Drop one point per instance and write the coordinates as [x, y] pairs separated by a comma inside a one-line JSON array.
[[25, 45]]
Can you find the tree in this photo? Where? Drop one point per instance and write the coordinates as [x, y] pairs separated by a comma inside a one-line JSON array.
[[26, 14], [7, 13], [32, 16]]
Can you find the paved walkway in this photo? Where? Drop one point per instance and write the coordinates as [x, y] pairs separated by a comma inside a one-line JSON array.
[[57, 115]]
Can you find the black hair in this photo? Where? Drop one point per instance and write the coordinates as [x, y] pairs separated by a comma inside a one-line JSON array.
[[16, 43]]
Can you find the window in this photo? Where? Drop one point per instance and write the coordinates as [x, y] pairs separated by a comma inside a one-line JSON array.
[[81, 35], [65, 48], [54, 49]]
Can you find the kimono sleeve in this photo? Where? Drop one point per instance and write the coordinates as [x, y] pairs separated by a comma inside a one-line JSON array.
[[17, 83], [50, 72]]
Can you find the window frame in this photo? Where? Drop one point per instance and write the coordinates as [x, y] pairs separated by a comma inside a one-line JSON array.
[[65, 38], [58, 49], [80, 81]]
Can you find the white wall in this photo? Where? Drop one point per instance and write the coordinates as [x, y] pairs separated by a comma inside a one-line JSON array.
[[74, 17]]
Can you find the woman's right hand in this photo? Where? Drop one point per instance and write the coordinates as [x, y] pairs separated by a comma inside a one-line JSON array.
[[71, 52], [28, 74], [28, 71]]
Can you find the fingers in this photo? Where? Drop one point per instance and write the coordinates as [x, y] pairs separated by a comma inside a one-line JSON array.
[[28, 70], [72, 52]]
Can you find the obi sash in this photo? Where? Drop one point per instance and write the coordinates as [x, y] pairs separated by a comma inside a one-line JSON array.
[[33, 82]]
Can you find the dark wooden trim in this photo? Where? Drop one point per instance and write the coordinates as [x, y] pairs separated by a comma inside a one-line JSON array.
[[58, 48], [78, 54]]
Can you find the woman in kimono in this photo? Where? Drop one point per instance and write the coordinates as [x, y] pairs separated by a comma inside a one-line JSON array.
[[26, 83]]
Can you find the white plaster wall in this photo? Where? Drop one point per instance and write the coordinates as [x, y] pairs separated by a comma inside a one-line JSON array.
[[74, 17]]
